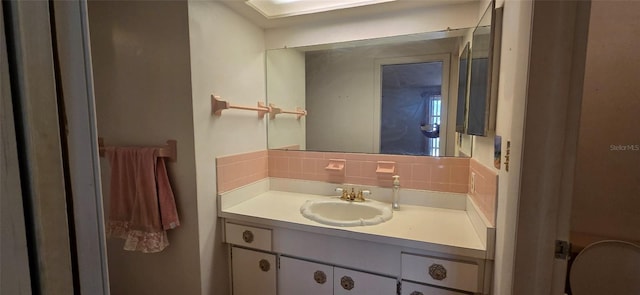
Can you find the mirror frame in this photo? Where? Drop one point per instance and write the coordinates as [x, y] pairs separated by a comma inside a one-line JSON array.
[[492, 72], [463, 90]]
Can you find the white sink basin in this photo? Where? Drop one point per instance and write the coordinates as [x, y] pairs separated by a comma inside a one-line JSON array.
[[343, 213]]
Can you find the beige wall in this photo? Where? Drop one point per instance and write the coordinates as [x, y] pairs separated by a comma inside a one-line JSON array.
[[607, 182], [140, 54], [227, 58]]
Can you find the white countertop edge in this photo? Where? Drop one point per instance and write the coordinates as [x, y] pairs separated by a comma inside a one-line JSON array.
[[452, 250]]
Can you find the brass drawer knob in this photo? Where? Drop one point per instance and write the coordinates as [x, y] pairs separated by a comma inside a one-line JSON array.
[[347, 283], [320, 277], [247, 236], [416, 293], [437, 272], [264, 265]]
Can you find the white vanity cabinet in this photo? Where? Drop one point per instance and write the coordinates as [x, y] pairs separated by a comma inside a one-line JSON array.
[[297, 277], [253, 272]]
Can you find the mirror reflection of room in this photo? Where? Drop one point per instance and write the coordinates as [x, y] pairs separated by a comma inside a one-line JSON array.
[[387, 95]]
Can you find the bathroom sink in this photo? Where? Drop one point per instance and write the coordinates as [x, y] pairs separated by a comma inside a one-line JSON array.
[[342, 213]]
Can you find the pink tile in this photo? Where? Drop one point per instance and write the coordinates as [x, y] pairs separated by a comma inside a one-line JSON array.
[[404, 170], [451, 161], [321, 164], [263, 164], [353, 169], [223, 187], [234, 171], [369, 169], [309, 166], [440, 174], [278, 173], [459, 175], [224, 160], [360, 181], [282, 163], [420, 172], [295, 165]]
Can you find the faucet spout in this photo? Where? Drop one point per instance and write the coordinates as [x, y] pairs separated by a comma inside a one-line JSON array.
[[396, 192]]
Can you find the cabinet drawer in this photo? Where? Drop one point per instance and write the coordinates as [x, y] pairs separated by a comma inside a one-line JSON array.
[[248, 236], [440, 272], [419, 289]]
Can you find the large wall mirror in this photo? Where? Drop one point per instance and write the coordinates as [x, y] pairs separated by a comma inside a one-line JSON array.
[[395, 95], [422, 94], [481, 106]]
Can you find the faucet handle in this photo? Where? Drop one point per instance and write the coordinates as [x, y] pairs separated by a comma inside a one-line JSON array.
[[344, 193]]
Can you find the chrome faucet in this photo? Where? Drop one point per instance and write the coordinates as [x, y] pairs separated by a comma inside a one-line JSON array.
[[396, 191]]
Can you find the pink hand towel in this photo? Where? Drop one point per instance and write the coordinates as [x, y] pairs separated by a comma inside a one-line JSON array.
[[140, 199], [168, 212]]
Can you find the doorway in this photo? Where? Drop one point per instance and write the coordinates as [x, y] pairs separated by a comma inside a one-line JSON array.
[[413, 96], [411, 103]]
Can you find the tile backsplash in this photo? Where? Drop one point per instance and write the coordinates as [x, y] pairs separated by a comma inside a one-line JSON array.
[[237, 170], [486, 189], [425, 173], [442, 174]]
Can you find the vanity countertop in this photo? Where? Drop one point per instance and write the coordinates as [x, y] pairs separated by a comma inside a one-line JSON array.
[[426, 228]]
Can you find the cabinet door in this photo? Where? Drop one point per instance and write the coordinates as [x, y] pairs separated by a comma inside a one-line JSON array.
[[419, 289], [350, 282], [253, 272], [298, 277]]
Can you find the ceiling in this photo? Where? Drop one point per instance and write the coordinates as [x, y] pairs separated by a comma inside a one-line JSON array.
[[240, 7]]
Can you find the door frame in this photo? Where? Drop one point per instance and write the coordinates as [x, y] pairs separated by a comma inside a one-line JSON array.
[[76, 83], [445, 58], [552, 119]]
